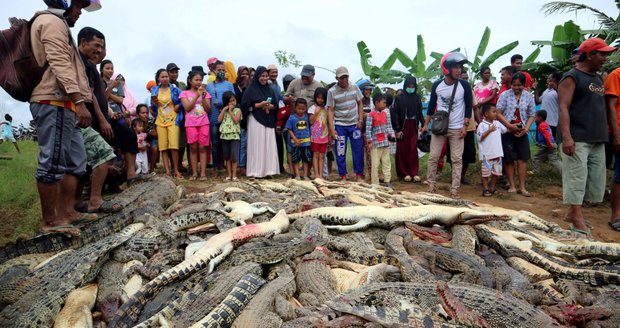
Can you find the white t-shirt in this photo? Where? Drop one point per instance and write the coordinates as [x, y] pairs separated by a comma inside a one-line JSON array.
[[549, 102], [491, 146], [444, 97]]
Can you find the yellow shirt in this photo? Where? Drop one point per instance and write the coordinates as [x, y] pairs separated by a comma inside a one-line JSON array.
[[166, 116]]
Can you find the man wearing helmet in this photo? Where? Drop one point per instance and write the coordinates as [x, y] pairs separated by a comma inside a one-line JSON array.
[[57, 105], [461, 108]]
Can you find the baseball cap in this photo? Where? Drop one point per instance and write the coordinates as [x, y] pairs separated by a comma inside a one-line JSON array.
[[199, 69], [341, 71], [307, 70], [595, 44], [211, 60], [272, 66], [171, 67]]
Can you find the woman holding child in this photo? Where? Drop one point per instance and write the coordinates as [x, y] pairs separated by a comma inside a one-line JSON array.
[[259, 105], [517, 109]]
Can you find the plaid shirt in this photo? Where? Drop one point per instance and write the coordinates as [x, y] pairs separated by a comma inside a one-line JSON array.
[[379, 128], [507, 104]]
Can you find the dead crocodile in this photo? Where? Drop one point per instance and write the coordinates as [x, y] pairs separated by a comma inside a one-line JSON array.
[[214, 251], [156, 189], [509, 246], [401, 304], [451, 261], [359, 217], [269, 254], [227, 311], [199, 301], [316, 283], [42, 293], [265, 309]]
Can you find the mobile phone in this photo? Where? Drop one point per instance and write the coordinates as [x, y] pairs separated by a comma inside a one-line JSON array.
[[520, 126], [269, 99]]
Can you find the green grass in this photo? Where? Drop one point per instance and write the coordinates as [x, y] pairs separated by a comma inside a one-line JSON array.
[[19, 200]]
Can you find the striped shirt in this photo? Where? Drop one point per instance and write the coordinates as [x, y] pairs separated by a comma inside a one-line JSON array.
[[344, 102]]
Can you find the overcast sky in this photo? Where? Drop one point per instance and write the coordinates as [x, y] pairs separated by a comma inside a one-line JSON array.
[[144, 35]]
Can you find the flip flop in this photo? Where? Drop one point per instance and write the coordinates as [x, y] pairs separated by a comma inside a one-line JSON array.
[[107, 207], [615, 224], [66, 229], [586, 233], [85, 219], [524, 193]]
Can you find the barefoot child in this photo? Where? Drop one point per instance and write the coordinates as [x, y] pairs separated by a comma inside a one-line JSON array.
[[142, 158], [230, 133], [197, 104], [298, 127], [319, 132], [379, 132], [489, 134], [7, 131]]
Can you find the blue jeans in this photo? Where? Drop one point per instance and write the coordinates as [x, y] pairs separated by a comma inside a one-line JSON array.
[[243, 148], [352, 133]]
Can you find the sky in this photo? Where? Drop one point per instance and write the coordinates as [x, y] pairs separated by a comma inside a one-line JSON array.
[[144, 35]]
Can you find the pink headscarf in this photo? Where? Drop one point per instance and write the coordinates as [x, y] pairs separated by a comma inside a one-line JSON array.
[[130, 102]]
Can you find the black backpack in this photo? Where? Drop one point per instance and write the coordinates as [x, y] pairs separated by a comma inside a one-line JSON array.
[[19, 71]]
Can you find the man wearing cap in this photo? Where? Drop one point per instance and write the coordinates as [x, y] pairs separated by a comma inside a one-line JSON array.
[[211, 66], [583, 131], [345, 111], [58, 106], [303, 87], [272, 70]]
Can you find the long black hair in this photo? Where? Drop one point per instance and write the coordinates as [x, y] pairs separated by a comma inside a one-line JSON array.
[[102, 65], [159, 71], [190, 76], [320, 91]]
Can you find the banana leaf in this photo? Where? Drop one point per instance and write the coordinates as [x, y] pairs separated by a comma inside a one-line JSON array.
[[389, 62], [482, 47], [553, 43], [365, 57], [559, 54], [532, 57], [420, 56], [403, 59], [498, 53]]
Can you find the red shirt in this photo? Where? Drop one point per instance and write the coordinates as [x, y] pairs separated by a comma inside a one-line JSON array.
[[283, 114]]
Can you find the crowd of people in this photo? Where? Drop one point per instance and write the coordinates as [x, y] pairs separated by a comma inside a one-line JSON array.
[[241, 122]]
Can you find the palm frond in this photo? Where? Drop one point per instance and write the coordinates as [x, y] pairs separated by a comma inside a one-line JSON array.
[[555, 7]]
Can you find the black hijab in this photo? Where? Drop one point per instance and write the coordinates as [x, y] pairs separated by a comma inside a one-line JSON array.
[[257, 93], [407, 105]]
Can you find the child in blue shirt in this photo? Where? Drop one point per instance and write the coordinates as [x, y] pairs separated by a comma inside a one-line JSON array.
[[298, 126], [7, 131]]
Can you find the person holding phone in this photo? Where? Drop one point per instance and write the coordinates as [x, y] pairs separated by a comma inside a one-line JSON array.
[[259, 105], [517, 110]]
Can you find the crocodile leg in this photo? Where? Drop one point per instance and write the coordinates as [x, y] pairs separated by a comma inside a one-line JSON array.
[[361, 224]]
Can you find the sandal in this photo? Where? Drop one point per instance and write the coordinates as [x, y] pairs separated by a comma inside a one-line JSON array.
[[203, 178], [455, 195], [524, 193], [193, 178], [227, 179], [235, 179], [67, 229], [587, 234], [107, 207], [179, 176], [487, 193], [615, 224]]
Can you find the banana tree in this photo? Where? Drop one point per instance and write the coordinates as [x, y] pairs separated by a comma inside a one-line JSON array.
[[478, 62], [566, 37]]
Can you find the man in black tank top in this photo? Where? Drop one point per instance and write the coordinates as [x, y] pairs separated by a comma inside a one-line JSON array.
[[583, 131]]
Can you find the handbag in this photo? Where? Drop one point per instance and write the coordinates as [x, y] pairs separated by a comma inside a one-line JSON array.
[[441, 118]]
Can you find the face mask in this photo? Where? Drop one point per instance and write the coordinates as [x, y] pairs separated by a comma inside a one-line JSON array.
[[410, 90], [220, 75]]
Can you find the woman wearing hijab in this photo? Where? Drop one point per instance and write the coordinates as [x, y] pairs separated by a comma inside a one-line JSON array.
[[406, 118], [241, 83], [259, 106]]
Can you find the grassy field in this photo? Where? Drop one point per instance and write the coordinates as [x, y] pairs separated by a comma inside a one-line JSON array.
[[19, 200], [20, 208]]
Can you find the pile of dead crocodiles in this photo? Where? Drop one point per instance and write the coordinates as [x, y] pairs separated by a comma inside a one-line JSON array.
[[308, 254]]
